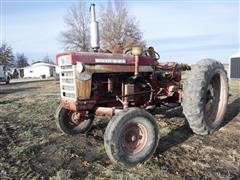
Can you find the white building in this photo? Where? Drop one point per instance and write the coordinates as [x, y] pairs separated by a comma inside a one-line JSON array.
[[40, 70]]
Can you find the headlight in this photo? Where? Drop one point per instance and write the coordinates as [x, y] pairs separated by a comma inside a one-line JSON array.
[[80, 67], [82, 74]]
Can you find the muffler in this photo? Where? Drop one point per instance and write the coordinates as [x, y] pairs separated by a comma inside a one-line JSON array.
[[94, 29]]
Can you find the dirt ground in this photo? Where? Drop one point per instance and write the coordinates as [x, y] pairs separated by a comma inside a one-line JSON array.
[[31, 146]]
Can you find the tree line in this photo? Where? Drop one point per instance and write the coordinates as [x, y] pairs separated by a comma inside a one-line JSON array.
[[8, 58], [19, 60]]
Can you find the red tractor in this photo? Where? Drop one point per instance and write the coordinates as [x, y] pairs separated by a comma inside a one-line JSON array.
[[126, 86]]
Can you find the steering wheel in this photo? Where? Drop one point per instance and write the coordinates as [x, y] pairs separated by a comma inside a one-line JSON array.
[[127, 50], [155, 53], [146, 52]]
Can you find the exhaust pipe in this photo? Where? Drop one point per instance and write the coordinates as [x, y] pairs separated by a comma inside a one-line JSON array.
[[94, 29]]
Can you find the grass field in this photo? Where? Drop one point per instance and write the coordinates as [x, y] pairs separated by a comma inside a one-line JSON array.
[[32, 147]]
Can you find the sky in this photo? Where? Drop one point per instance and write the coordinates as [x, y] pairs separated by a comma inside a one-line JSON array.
[[181, 31]]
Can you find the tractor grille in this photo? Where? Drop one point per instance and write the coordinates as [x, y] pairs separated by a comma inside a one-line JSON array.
[[234, 68], [67, 83]]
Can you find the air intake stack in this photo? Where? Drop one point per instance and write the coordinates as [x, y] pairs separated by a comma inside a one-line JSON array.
[[94, 29]]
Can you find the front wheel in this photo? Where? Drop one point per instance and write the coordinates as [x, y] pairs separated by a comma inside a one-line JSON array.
[[205, 96], [131, 137], [70, 122]]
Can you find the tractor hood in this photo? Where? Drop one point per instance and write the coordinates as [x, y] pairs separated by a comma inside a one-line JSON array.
[[100, 58]]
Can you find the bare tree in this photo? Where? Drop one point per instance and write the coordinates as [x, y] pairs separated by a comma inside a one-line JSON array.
[[21, 60], [76, 36], [6, 55], [119, 30]]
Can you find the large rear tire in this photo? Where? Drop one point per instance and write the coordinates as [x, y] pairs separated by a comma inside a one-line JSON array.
[[69, 123], [205, 96], [131, 137]]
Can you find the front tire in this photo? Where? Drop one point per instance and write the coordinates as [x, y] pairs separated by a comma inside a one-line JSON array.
[[131, 137], [205, 96], [68, 122]]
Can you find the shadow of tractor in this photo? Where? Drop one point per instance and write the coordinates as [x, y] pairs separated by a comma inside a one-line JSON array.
[[233, 110], [182, 133]]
